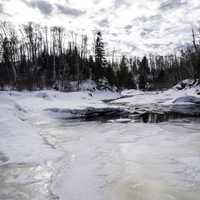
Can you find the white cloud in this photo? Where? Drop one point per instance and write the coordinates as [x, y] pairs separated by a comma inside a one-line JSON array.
[[133, 27]]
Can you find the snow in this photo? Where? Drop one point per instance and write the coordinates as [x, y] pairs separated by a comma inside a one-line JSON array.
[[15, 134], [88, 85], [187, 83], [91, 160], [129, 161], [19, 110], [121, 120], [168, 97], [187, 99], [131, 92]]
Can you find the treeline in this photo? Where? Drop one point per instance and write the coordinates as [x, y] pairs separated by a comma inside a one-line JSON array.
[[36, 57]]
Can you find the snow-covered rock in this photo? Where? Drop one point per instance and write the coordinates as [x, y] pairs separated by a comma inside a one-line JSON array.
[[187, 83], [190, 94], [88, 85], [187, 99]]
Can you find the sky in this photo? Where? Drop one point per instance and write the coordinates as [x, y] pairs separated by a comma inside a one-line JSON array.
[[130, 27]]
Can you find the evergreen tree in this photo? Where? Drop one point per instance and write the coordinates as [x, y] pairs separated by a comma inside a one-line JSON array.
[[110, 75], [125, 77], [99, 57], [142, 82], [144, 70]]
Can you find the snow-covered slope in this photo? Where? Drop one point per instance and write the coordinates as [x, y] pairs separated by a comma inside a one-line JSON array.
[[20, 140]]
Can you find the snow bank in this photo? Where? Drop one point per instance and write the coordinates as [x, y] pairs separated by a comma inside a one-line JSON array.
[[131, 92], [19, 140], [187, 99], [188, 95], [185, 84]]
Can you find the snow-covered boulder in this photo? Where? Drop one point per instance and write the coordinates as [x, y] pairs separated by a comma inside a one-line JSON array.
[[88, 85], [187, 99], [187, 83]]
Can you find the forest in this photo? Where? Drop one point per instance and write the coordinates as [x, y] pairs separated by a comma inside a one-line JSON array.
[[36, 57]]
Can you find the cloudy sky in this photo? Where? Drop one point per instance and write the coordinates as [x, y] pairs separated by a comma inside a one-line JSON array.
[[133, 27]]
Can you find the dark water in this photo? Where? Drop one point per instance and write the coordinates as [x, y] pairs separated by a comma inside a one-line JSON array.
[[157, 114]]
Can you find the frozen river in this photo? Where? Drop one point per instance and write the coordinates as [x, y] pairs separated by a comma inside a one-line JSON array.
[[110, 161]]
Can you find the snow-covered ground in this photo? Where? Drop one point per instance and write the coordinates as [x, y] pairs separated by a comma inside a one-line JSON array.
[[43, 156], [26, 157], [168, 97], [18, 110]]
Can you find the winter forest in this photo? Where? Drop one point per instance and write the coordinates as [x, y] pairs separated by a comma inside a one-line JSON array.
[[36, 57], [99, 99]]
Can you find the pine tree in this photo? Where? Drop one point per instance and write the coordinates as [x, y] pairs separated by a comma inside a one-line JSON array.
[[144, 70], [123, 71], [125, 77], [110, 75], [99, 57]]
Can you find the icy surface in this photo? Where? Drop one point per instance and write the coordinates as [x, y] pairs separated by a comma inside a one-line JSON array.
[[104, 161], [45, 158]]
